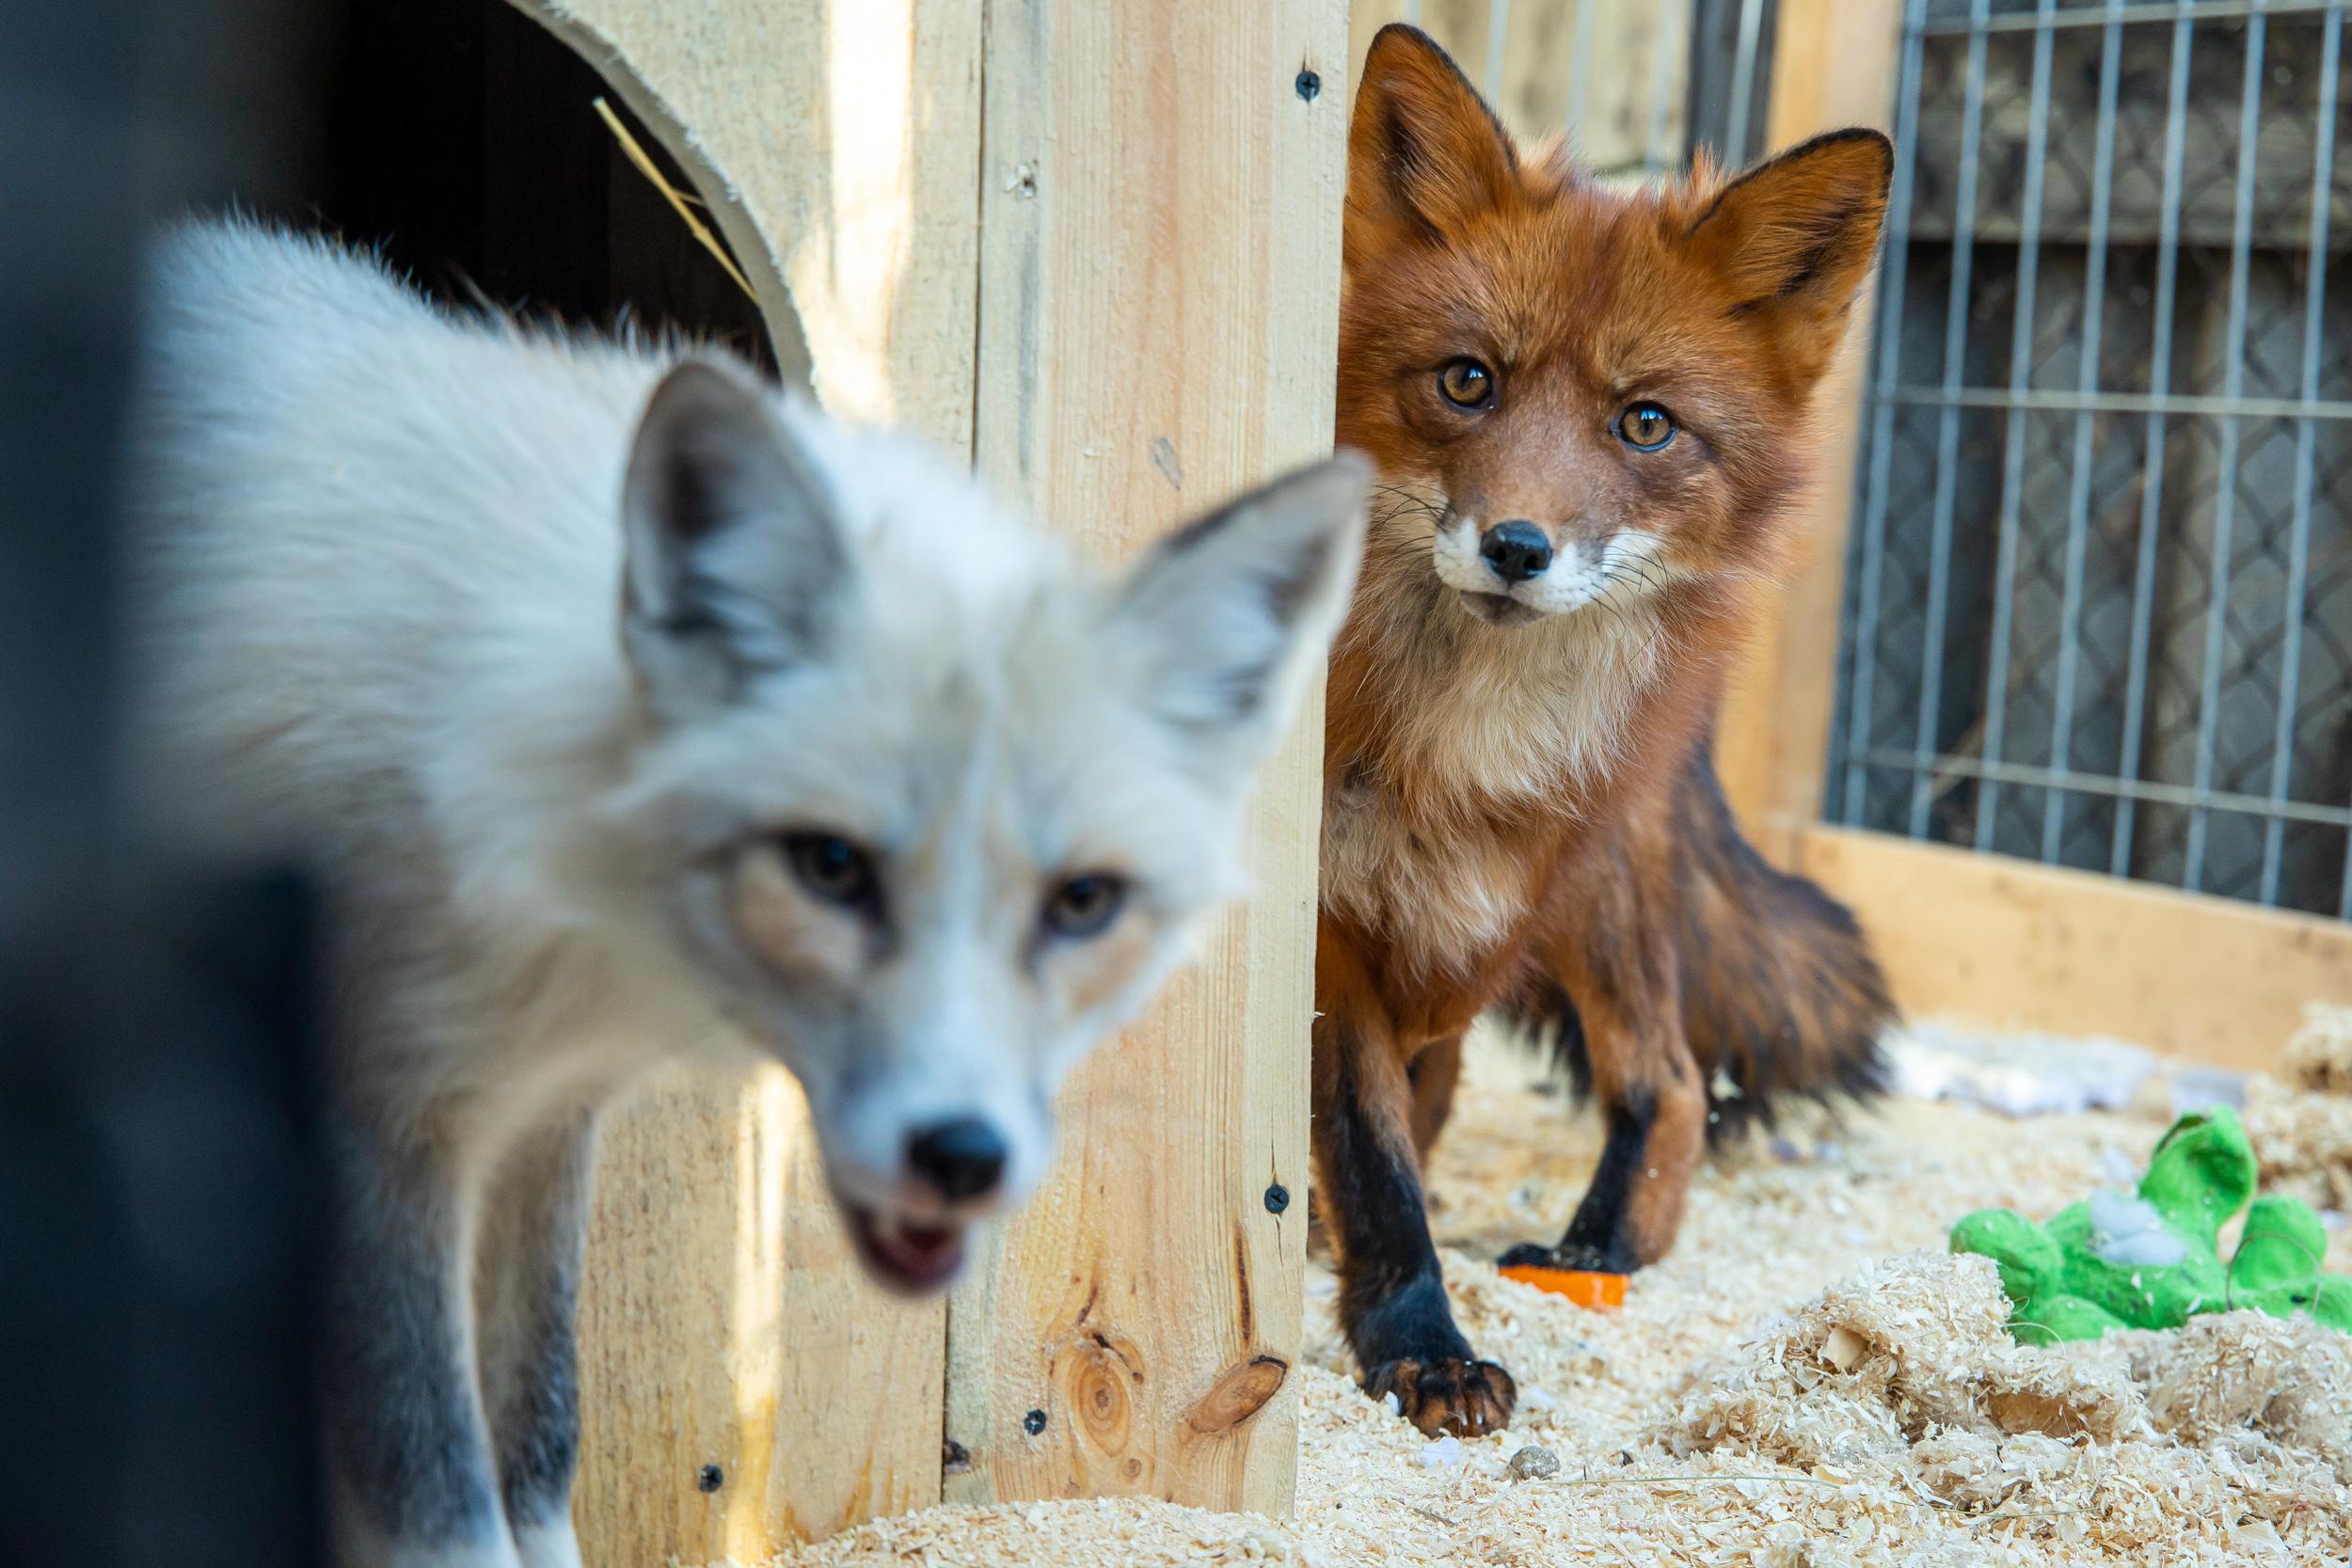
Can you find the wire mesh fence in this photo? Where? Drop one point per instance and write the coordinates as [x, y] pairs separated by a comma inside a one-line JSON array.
[[2099, 605]]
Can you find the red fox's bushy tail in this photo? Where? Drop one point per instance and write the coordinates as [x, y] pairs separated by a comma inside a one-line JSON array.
[[1781, 993]]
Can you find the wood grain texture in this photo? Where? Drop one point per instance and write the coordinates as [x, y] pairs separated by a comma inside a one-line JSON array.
[[1833, 65], [1157, 326], [723, 1323], [1638, 50], [745, 1386], [1459, 27], [2008, 943]]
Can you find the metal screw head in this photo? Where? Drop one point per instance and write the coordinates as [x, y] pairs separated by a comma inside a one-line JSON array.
[[709, 1479], [1308, 84], [1278, 1198], [1034, 1423]]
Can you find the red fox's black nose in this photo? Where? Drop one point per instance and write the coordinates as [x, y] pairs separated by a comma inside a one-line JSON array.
[[1516, 551], [963, 1159]]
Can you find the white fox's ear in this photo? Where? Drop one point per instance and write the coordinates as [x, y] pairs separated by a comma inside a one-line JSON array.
[[1235, 613], [735, 561]]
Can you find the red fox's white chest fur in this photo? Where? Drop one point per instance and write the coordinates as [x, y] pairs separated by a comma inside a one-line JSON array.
[[1424, 837]]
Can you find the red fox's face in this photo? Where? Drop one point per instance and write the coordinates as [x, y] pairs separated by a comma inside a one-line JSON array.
[[1581, 394]]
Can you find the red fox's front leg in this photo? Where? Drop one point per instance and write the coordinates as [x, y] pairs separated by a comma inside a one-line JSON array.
[[1620, 972], [1434, 1074], [1392, 1301]]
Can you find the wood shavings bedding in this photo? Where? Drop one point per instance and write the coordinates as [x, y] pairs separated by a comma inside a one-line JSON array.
[[1808, 1382], [2303, 1141], [2319, 1056], [2301, 1128]]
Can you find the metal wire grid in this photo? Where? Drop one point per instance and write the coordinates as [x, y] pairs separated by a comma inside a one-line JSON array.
[[2099, 606]]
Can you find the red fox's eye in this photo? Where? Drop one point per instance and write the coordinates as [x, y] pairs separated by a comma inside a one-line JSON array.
[[1085, 906], [1645, 427], [831, 868], [1465, 383]]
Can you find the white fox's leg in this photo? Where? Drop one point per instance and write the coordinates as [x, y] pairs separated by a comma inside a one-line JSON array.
[[408, 1448], [534, 1223], [549, 1543]]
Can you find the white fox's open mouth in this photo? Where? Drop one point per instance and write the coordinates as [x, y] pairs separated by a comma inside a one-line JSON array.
[[910, 1259]]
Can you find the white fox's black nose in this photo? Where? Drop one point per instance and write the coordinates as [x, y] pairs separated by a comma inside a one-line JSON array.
[[1516, 551], [963, 1159]]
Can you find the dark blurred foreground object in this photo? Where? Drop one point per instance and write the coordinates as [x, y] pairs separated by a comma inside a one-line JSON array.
[[156, 1194]]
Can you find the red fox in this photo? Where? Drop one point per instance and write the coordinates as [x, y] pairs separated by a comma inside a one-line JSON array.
[[1588, 408]]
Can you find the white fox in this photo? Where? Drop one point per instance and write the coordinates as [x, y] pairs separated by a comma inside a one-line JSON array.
[[626, 711]]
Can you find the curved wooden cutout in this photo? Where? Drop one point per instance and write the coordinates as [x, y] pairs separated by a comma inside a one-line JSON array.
[[801, 120], [754, 252]]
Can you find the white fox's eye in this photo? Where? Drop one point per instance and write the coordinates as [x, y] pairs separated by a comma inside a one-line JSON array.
[[1085, 906], [833, 868], [1646, 426]]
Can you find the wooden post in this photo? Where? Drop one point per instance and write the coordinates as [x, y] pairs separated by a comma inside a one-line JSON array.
[[1833, 65], [1159, 286], [744, 1387], [1126, 309]]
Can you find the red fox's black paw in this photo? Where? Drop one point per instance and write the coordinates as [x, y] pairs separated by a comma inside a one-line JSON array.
[[1466, 1398], [1590, 1260]]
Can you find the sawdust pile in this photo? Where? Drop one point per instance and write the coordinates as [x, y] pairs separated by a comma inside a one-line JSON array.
[[1122, 1532], [2319, 1056], [2301, 1129], [2303, 1141], [2226, 1439], [1808, 1382], [1911, 1349], [2239, 1373]]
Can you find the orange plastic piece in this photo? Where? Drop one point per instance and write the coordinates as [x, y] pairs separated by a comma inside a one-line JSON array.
[[1581, 1286]]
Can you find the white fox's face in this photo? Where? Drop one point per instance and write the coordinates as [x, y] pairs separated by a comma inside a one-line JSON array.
[[930, 807]]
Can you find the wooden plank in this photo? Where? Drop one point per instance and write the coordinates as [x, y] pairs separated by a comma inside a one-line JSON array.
[[1833, 65], [1459, 26], [1532, 89], [1158, 321], [2008, 943], [1640, 51], [1538, 61], [723, 1323], [1365, 19]]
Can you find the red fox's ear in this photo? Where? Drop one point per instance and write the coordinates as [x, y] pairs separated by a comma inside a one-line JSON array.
[[1424, 150], [1795, 235]]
